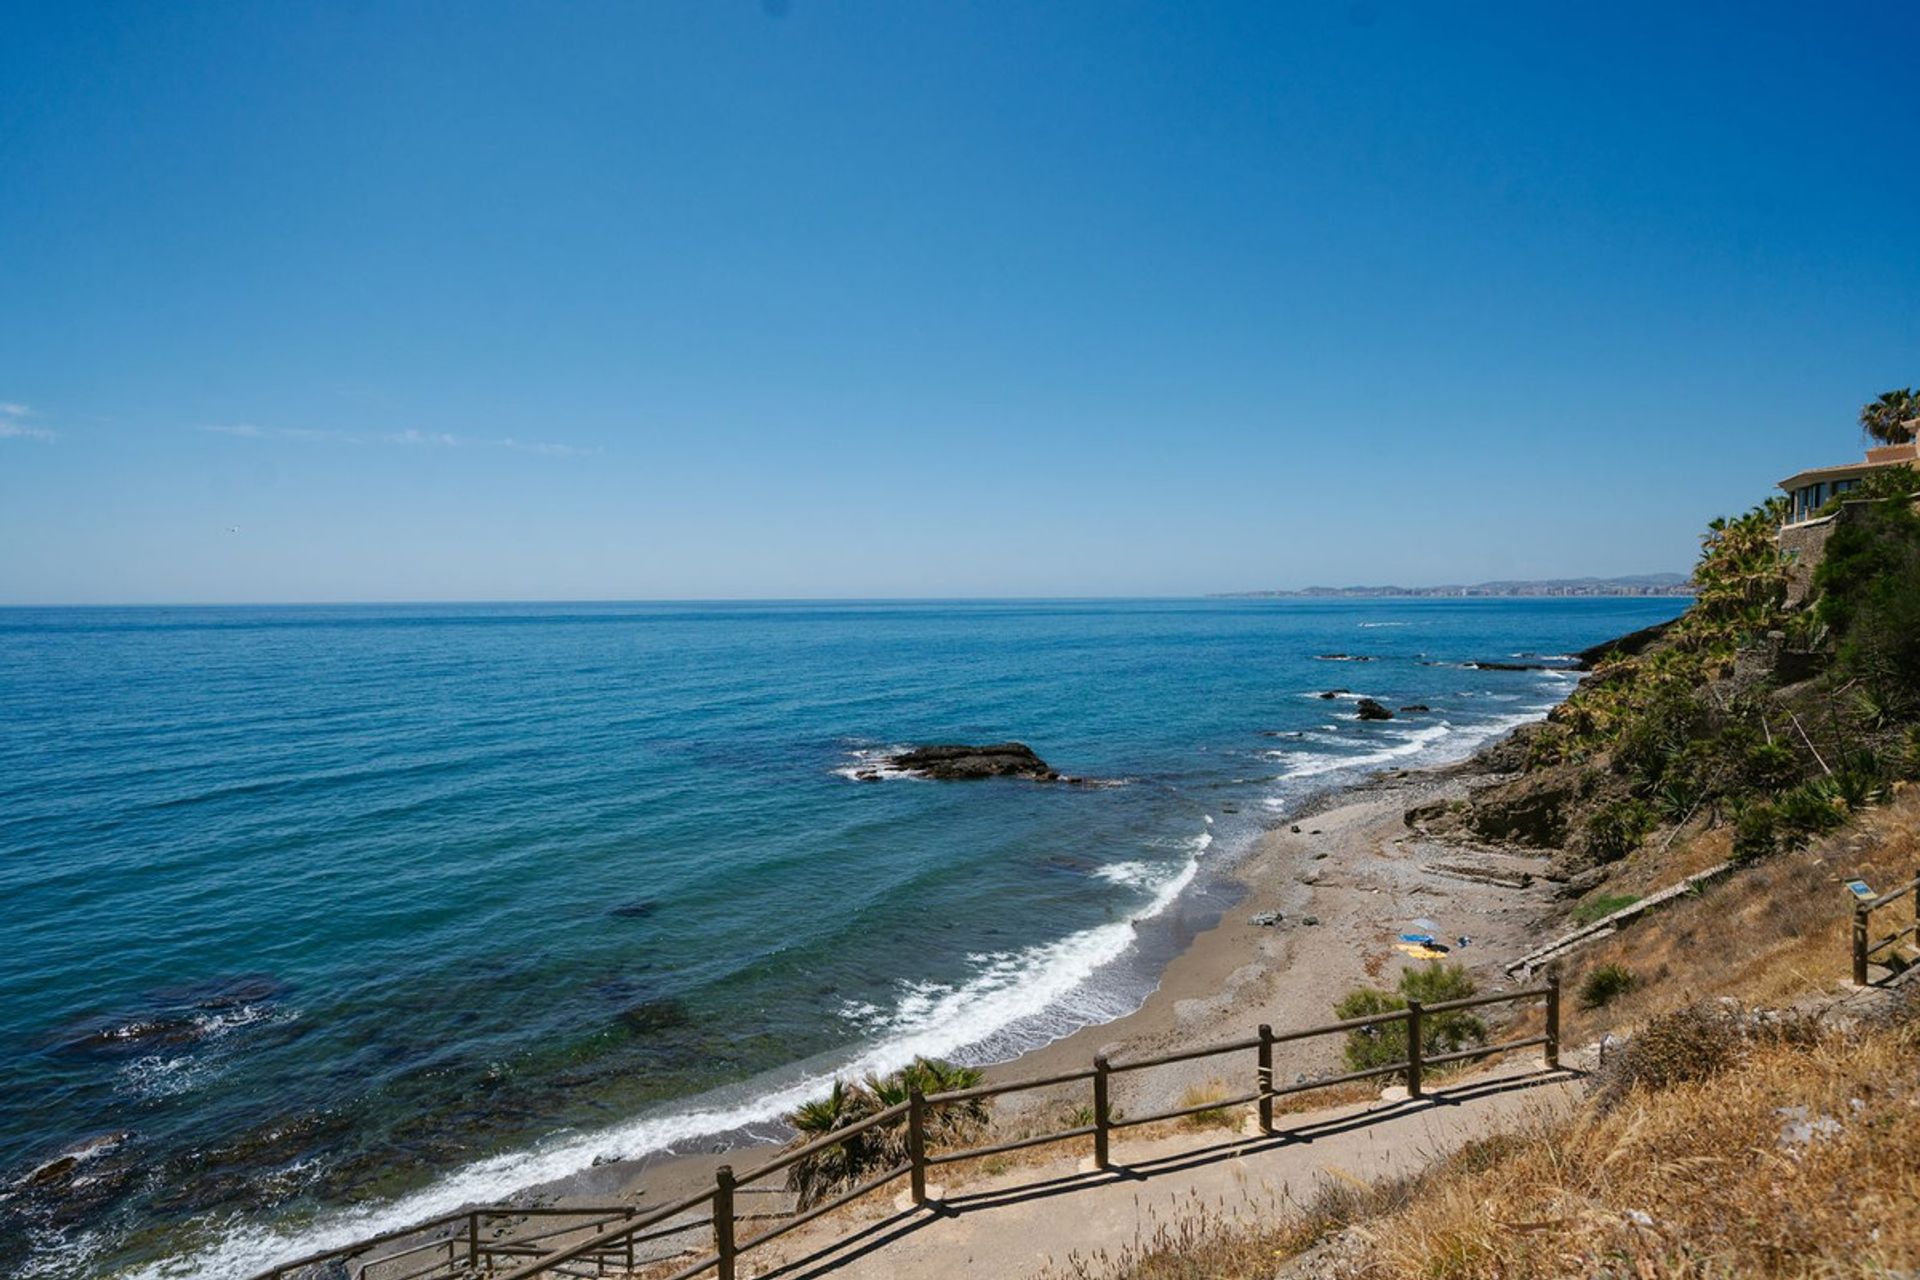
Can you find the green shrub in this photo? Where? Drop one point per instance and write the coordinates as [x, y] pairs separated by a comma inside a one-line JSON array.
[[1769, 767], [1908, 759], [1868, 596], [1616, 829], [1385, 1045], [1808, 810], [832, 1169], [1605, 984], [1654, 739], [1756, 831]]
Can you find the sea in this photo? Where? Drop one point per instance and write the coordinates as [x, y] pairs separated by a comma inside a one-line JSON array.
[[320, 920]]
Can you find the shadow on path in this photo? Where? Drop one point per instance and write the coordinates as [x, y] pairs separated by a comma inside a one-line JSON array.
[[903, 1223]]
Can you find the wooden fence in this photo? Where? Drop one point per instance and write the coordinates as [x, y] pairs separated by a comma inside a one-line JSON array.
[[458, 1249], [1863, 950]]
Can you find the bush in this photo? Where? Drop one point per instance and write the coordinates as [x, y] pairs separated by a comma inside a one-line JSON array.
[[1652, 741], [1769, 767], [1385, 1045], [1756, 831], [1615, 829], [1694, 1043], [1605, 984], [846, 1164], [1868, 586], [1808, 810]]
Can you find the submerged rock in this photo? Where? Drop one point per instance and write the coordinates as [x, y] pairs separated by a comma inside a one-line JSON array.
[[1331, 694], [1415, 708], [954, 762], [1368, 709], [656, 1015], [171, 1017]]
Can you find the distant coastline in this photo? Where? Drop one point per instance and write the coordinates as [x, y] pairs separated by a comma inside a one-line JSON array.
[[1640, 584]]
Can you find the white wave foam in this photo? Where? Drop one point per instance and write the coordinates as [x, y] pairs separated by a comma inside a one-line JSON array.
[[931, 1020], [158, 1077], [1138, 875], [871, 764], [1364, 626], [1407, 745]]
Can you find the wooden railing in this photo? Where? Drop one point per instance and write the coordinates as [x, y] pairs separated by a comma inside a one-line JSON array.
[[1863, 949], [615, 1232]]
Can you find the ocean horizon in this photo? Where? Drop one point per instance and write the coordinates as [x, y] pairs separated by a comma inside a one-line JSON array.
[[330, 917]]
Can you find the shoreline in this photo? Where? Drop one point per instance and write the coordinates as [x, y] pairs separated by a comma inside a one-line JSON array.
[[1341, 854], [1344, 858]]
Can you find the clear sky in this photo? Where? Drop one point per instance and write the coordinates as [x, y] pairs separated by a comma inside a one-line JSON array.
[[705, 298]]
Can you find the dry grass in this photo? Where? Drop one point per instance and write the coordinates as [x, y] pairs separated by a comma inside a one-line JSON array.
[[1800, 1157], [1214, 1117], [1767, 934], [1801, 1160]]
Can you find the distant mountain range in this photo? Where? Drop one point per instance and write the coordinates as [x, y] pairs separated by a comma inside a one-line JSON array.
[[1637, 584]]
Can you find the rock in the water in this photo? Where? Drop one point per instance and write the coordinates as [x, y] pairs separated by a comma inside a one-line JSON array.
[[1331, 694], [1415, 708], [1368, 709], [956, 763]]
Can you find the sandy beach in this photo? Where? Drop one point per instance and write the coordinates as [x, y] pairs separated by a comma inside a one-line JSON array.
[[1347, 863]]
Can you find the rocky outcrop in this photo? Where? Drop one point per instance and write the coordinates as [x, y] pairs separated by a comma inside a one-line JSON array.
[[1368, 709], [1626, 646], [959, 763], [1529, 810]]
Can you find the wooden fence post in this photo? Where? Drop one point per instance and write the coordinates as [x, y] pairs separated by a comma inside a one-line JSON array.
[[723, 1220], [473, 1241], [1265, 1077], [1860, 944], [1100, 1118], [917, 1143], [629, 1218], [1552, 1047], [1414, 1048]]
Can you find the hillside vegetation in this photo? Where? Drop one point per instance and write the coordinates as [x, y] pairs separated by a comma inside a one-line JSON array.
[[1752, 1117]]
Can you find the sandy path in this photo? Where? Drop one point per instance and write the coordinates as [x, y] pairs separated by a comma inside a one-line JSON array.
[[1029, 1219]]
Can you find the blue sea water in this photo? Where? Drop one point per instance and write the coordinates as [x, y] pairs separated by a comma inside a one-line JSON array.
[[321, 919]]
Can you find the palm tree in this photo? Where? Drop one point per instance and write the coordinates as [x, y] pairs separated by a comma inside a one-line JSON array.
[[1894, 418], [842, 1165]]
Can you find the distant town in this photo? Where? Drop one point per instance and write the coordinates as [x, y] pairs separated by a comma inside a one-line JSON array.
[[1643, 584]]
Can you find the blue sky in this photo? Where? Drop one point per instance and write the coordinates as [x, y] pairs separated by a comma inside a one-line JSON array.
[[356, 301]]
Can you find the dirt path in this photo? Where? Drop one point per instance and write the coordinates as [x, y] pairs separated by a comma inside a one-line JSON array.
[[1026, 1219]]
